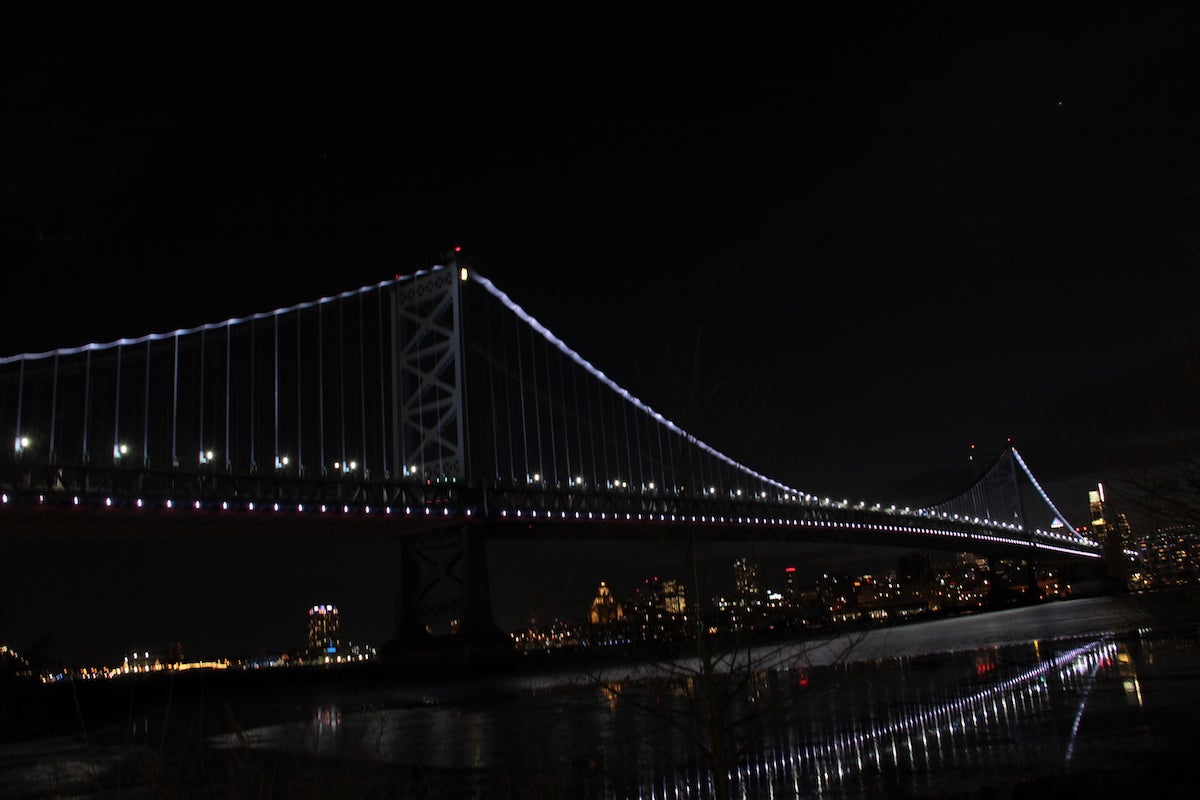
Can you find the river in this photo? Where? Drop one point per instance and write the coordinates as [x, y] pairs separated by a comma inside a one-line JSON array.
[[1095, 695]]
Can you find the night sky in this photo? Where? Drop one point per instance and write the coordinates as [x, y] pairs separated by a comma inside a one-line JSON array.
[[893, 235]]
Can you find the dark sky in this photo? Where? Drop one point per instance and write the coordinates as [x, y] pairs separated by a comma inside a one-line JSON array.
[[894, 233]]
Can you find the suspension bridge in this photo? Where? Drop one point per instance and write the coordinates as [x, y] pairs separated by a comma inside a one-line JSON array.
[[434, 407]]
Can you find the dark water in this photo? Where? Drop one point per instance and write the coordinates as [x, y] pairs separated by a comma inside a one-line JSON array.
[[1096, 696]]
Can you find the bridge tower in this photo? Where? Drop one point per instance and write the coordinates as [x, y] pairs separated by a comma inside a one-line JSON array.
[[443, 582]]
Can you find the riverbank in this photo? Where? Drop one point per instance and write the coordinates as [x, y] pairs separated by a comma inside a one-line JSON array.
[[32, 709], [1001, 702]]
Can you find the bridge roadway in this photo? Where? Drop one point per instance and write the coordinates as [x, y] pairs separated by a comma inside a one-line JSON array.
[[36, 500]]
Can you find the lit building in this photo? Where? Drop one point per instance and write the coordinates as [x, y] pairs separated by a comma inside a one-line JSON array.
[[605, 609], [792, 590], [658, 610], [323, 628], [745, 578], [1096, 505], [1112, 530], [674, 599]]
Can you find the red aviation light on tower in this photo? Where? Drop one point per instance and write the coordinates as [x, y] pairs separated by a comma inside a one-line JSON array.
[[789, 569]]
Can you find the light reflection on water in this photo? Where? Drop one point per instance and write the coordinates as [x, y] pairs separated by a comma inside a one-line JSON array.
[[919, 724], [922, 710]]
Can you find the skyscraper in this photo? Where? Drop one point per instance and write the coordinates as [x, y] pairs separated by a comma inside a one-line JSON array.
[[745, 578], [1096, 503], [323, 628]]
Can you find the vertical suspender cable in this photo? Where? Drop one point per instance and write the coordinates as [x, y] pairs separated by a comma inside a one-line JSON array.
[[228, 362], [587, 394], [603, 434], [662, 461], [521, 394], [275, 387], [362, 385], [53, 406], [20, 397], [508, 408], [202, 403], [637, 438], [342, 376], [676, 481], [253, 461], [578, 418], [566, 433], [299, 398], [146, 412], [117, 409], [175, 406], [628, 444], [382, 392], [87, 400], [487, 321], [537, 406], [550, 416], [321, 382]]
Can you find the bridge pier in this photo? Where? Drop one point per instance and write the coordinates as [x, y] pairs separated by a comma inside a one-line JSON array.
[[443, 596]]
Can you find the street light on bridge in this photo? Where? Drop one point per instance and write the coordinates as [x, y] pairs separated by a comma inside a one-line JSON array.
[[20, 444]]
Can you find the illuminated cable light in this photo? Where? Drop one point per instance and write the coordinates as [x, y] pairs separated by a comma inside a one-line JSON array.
[[196, 504], [170, 504], [224, 505], [250, 505], [4, 498]]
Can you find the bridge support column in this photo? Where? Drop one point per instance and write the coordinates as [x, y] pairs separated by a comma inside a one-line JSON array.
[[444, 594]]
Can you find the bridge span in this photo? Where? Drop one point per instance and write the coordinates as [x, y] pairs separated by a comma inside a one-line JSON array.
[[431, 407]]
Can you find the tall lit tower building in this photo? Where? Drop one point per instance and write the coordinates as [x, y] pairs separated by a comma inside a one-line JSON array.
[[1112, 530], [323, 628], [1096, 505], [745, 578]]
